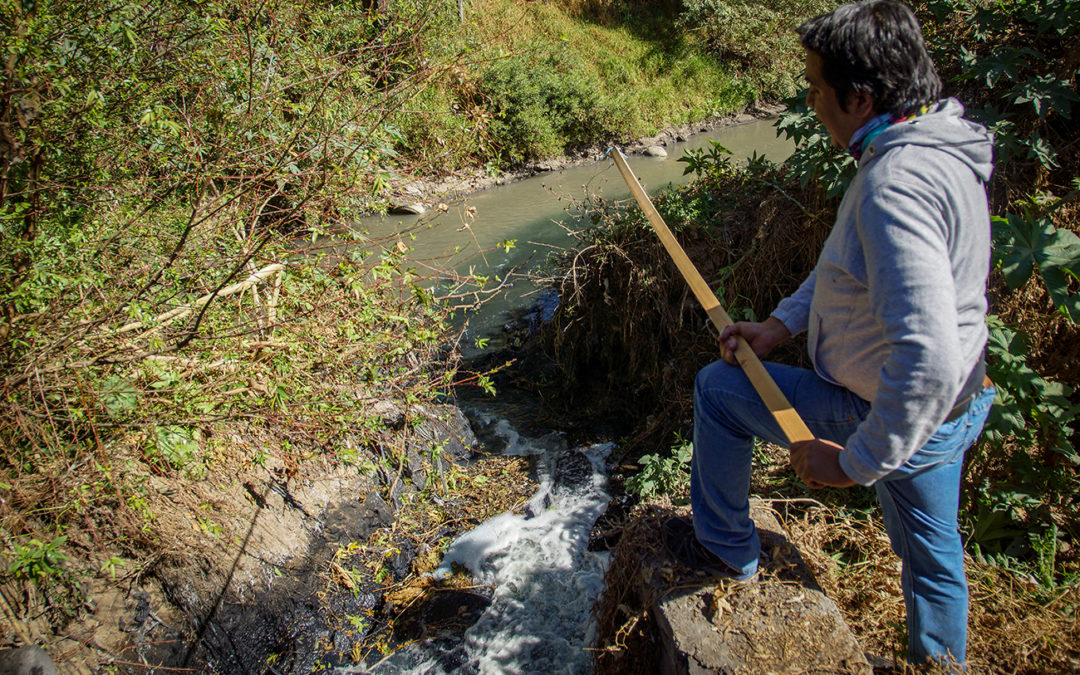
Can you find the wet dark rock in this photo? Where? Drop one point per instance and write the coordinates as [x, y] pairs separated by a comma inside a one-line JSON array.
[[572, 471], [389, 413], [607, 531], [525, 324], [355, 521], [444, 426], [446, 613], [417, 473], [398, 563]]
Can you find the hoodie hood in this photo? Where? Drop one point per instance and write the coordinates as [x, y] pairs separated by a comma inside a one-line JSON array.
[[945, 129]]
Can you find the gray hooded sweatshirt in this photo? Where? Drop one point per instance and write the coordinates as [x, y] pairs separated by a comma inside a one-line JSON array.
[[896, 306]]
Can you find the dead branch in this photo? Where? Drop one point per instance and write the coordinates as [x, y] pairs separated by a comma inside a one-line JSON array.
[[180, 312]]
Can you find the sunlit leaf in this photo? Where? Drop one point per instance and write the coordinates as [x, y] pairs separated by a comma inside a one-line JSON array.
[[1022, 244], [1046, 92]]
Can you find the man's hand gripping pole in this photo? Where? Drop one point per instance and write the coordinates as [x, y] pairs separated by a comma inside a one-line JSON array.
[[792, 425]]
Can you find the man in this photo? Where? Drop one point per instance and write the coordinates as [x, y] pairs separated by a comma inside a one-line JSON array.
[[895, 312]]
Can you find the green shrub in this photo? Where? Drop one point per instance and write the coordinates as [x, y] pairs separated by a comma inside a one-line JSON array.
[[175, 255], [542, 107], [38, 560], [660, 475], [756, 38]]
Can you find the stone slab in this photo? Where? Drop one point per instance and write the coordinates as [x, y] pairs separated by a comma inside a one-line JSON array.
[[780, 624]]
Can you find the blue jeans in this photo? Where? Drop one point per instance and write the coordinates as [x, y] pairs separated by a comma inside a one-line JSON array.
[[919, 500]]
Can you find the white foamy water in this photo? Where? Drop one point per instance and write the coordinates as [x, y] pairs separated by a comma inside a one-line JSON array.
[[545, 580]]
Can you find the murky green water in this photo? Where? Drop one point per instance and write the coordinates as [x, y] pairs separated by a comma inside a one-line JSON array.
[[532, 213]]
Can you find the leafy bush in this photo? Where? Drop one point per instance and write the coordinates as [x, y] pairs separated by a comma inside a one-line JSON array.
[[1015, 62], [1015, 65], [816, 161], [542, 107], [175, 257], [756, 37]]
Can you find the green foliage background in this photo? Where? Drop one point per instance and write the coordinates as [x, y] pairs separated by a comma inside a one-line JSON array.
[[177, 183], [153, 156]]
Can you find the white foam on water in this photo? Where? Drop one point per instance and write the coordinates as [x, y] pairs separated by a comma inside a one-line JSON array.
[[545, 580]]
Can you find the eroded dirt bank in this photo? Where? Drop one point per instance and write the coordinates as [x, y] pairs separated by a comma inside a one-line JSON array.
[[288, 575]]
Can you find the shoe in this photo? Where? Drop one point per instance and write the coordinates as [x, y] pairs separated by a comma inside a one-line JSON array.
[[683, 545]]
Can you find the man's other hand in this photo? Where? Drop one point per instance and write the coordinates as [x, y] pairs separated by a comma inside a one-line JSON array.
[[762, 337], [817, 463]]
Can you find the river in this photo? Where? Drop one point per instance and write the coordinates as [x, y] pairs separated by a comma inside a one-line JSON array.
[[542, 578], [531, 212]]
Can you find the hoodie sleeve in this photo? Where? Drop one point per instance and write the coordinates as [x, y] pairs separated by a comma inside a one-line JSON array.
[[904, 236], [794, 310]]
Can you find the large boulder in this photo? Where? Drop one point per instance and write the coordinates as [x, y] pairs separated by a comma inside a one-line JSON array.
[[782, 623]]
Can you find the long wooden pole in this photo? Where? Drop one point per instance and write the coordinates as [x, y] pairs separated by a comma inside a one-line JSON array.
[[790, 422]]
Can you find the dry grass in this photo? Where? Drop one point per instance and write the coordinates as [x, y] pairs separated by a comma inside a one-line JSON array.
[[1013, 625], [1011, 628], [632, 335]]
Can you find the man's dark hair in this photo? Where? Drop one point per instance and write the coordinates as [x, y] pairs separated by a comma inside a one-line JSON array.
[[876, 48]]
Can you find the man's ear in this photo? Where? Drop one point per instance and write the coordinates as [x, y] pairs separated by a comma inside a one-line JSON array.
[[861, 104]]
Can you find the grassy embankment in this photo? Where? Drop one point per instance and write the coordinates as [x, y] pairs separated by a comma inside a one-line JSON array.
[[755, 232], [535, 80], [178, 318]]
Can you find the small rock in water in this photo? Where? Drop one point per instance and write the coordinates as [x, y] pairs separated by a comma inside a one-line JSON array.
[[414, 209], [572, 470], [655, 151]]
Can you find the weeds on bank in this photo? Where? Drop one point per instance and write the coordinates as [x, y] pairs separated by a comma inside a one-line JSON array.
[[184, 306], [660, 475]]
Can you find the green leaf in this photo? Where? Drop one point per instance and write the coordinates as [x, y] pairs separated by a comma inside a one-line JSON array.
[[1039, 149], [1046, 92], [994, 525], [177, 444], [1059, 263], [1022, 244], [118, 395], [1006, 63]]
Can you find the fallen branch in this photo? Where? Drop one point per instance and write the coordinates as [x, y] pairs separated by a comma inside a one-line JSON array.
[[182, 311]]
